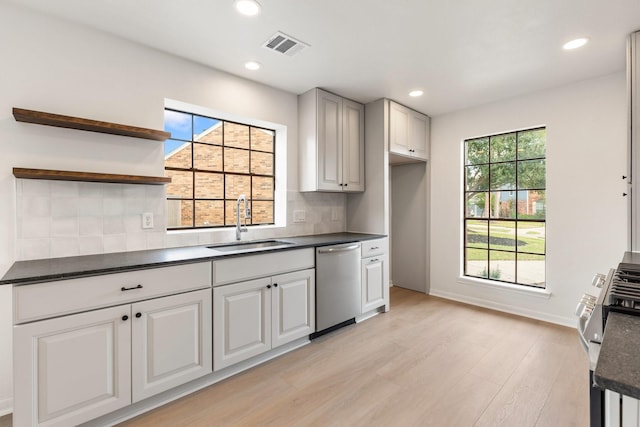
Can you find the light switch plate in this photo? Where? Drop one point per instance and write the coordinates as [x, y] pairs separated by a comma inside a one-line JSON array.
[[147, 220]]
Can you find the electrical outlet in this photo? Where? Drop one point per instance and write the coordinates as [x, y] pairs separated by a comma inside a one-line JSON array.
[[147, 220], [299, 216]]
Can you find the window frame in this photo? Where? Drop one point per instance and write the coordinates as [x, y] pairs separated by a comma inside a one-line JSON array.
[[193, 170], [489, 218]]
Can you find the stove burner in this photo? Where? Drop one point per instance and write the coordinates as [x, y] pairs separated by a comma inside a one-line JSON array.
[[625, 289]]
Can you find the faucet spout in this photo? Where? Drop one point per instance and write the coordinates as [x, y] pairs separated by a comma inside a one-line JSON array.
[[241, 228]]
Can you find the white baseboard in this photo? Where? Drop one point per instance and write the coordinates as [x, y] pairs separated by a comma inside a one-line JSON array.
[[533, 314], [6, 406]]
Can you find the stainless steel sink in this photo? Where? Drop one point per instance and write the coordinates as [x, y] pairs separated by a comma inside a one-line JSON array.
[[245, 246]]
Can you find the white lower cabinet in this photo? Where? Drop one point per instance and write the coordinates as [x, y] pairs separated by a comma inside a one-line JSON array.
[[170, 342], [74, 368], [255, 316], [373, 283]]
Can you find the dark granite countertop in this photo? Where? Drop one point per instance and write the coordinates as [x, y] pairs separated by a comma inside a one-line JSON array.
[[43, 270], [618, 367]]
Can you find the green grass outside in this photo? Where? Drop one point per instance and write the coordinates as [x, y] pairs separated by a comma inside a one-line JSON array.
[[478, 252]]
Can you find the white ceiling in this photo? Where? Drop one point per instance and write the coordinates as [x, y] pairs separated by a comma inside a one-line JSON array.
[[460, 52]]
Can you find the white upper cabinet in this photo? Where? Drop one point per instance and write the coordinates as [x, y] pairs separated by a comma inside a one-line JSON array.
[[408, 133], [331, 142]]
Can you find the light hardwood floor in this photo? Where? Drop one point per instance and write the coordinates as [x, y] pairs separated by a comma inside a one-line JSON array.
[[428, 362]]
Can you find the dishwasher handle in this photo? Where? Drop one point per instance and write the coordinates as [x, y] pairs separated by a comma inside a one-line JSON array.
[[338, 249]]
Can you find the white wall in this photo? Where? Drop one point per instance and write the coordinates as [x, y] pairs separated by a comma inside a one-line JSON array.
[[586, 213], [53, 66]]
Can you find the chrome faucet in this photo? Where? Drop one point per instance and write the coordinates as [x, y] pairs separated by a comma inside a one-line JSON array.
[[247, 214]]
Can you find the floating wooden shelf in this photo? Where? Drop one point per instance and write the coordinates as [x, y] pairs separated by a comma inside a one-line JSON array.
[[88, 176], [49, 119]]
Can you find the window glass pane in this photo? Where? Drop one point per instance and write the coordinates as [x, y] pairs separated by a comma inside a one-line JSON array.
[[235, 185], [262, 188], [503, 147], [179, 213], [532, 204], [531, 237], [177, 154], [236, 135], [209, 213], [179, 124], [207, 157], [502, 235], [262, 139], [503, 204], [477, 151], [531, 270], [230, 212], [207, 130], [503, 176], [236, 160], [261, 163], [476, 203], [477, 233], [181, 185], [209, 185], [502, 266], [477, 262], [477, 178], [531, 174], [532, 143], [261, 212]]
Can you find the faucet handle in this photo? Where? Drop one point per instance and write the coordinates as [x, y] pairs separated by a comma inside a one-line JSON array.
[[247, 212]]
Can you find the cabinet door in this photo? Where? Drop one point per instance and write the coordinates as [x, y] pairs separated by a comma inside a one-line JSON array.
[[293, 306], [329, 141], [352, 146], [241, 321], [419, 135], [373, 283], [171, 342], [398, 129], [72, 369]]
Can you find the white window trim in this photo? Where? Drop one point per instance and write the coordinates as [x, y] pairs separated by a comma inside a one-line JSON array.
[[518, 289], [280, 191]]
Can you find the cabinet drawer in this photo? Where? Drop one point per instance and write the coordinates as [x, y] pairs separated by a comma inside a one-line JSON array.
[[248, 267], [43, 300], [374, 247]]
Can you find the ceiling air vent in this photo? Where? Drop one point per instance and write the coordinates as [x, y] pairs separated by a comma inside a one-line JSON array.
[[280, 42]]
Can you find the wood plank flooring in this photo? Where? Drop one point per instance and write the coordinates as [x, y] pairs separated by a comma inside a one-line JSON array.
[[428, 362]]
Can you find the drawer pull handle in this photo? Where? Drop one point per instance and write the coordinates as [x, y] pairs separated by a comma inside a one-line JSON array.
[[373, 248], [374, 260], [130, 289]]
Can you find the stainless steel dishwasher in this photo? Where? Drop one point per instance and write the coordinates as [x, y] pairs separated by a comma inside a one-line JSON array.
[[337, 286]]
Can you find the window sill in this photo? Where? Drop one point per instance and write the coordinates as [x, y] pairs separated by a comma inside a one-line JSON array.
[[518, 289]]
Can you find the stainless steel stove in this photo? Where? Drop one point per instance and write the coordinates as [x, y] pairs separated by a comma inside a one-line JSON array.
[[618, 291]]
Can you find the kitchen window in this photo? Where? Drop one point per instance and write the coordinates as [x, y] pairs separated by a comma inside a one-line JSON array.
[[213, 161], [505, 207]]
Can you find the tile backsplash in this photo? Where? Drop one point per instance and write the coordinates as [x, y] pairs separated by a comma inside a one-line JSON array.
[[66, 218]]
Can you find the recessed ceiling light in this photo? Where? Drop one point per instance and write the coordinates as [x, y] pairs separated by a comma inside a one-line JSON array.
[[248, 7], [416, 93], [576, 43], [252, 65]]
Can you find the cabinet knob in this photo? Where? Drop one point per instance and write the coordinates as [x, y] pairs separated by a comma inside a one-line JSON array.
[[346, 185], [138, 315], [275, 285], [125, 318], [268, 286]]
